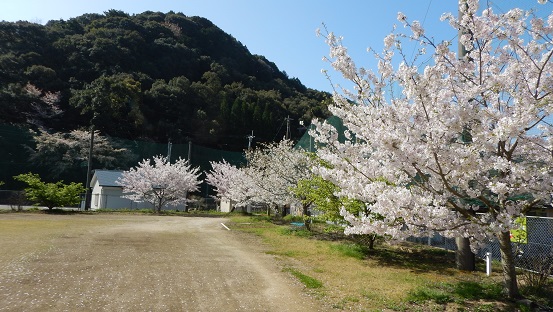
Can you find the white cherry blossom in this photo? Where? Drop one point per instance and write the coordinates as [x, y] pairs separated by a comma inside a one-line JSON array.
[[160, 182], [464, 147]]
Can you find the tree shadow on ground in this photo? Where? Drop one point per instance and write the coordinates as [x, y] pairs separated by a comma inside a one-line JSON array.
[[419, 259]]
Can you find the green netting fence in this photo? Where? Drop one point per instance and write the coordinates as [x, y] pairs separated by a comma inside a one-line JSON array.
[[16, 144], [307, 142]]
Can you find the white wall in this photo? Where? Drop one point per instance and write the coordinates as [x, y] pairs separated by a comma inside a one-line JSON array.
[[226, 205], [110, 197]]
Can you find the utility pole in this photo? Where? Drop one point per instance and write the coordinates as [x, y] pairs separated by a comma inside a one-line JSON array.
[[189, 151], [169, 147], [288, 119], [190, 163], [88, 194], [464, 257], [250, 138]]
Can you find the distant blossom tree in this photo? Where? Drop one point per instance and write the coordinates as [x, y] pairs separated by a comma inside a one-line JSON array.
[[65, 152], [275, 169], [159, 182], [269, 176], [460, 145], [44, 103], [230, 183]]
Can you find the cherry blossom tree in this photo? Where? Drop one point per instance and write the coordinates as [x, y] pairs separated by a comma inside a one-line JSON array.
[[67, 152], [459, 145], [44, 104], [159, 182], [230, 183], [269, 176], [275, 169]]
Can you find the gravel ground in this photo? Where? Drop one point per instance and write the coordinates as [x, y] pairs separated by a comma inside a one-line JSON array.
[[145, 263]]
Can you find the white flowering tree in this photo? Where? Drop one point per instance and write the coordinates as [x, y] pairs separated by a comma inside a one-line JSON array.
[[160, 182], [63, 153], [230, 183], [275, 169], [461, 145], [269, 176]]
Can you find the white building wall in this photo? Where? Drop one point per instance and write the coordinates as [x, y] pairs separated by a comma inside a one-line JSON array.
[[105, 197], [226, 205]]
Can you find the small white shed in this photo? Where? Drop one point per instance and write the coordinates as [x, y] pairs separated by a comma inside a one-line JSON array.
[[226, 205], [106, 193]]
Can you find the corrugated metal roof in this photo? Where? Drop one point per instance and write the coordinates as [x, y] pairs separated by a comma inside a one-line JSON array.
[[108, 177]]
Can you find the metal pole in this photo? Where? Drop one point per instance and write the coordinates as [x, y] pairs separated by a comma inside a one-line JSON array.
[[288, 119], [169, 147], [250, 138], [89, 170], [190, 163], [189, 150]]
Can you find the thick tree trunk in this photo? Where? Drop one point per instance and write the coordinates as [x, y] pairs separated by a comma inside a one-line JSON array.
[[464, 258], [306, 217], [508, 264], [372, 239]]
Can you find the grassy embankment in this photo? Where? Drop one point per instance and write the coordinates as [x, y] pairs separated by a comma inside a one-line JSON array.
[[348, 276]]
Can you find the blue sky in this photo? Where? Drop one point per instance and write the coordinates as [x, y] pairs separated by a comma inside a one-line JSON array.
[[281, 30]]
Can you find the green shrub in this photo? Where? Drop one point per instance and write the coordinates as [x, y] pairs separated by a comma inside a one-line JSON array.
[[51, 194]]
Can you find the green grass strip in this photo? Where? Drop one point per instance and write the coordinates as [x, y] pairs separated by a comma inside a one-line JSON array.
[[306, 280]]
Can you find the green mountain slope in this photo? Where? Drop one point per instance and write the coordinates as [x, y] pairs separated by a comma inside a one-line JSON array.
[[151, 76]]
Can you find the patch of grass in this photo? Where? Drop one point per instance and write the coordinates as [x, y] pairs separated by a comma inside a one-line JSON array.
[[485, 308], [300, 232], [306, 280], [125, 210], [460, 291], [292, 218], [473, 290], [350, 250], [290, 254], [423, 294], [542, 295]]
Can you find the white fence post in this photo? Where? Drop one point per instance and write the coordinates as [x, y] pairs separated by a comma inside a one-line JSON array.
[[488, 263]]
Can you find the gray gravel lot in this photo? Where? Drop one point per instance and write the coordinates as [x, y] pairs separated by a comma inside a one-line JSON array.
[[142, 263]]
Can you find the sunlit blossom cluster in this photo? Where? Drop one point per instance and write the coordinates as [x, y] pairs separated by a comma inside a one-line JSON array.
[[465, 147], [270, 173]]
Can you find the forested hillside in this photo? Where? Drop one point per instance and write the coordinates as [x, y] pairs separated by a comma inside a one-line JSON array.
[[151, 76]]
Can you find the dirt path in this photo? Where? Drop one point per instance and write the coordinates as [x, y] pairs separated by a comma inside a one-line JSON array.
[[145, 263]]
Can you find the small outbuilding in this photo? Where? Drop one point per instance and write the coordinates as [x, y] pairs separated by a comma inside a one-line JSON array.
[[108, 194]]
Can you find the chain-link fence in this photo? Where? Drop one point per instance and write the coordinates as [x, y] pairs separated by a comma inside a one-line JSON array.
[[533, 251]]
